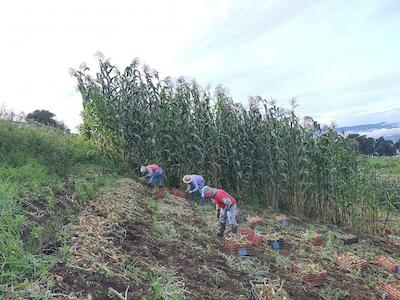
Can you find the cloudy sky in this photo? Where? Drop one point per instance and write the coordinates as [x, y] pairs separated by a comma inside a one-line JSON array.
[[339, 59]]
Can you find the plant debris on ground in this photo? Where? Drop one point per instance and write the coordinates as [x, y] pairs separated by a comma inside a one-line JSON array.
[[126, 244]]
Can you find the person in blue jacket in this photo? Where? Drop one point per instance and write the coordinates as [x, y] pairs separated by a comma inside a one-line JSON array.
[[195, 183]]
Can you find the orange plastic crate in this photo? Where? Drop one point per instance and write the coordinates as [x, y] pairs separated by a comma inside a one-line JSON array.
[[160, 193], [356, 263], [240, 249], [318, 241], [252, 236], [392, 289], [387, 263], [178, 193], [314, 279]]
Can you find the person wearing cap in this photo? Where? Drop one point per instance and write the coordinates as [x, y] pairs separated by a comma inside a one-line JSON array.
[[195, 183], [154, 175], [227, 205]]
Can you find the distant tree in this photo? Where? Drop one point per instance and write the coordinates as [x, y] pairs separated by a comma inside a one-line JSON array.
[[42, 116], [384, 147], [46, 117], [397, 145], [364, 144]]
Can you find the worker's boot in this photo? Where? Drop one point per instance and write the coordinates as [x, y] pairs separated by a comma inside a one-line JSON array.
[[218, 213], [221, 230], [234, 229]]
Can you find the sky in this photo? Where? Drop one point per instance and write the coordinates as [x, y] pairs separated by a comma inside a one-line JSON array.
[[339, 59]]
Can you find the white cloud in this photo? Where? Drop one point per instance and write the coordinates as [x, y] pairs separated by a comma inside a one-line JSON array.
[[318, 51], [385, 132]]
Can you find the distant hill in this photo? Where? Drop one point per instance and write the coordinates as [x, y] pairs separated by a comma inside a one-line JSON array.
[[389, 131]]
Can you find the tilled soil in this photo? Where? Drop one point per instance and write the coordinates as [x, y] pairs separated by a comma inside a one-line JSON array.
[[126, 244]]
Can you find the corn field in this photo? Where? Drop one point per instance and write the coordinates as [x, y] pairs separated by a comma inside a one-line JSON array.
[[263, 155]]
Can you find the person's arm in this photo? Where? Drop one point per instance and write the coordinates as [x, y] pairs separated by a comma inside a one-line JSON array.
[[196, 187]]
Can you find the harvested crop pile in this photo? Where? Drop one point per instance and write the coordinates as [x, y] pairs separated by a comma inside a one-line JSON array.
[[271, 291], [237, 238], [349, 259], [309, 267]]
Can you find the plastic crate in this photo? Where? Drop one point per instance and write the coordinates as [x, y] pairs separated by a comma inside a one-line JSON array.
[[252, 236], [348, 239], [160, 193], [392, 289], [178, 193], [275, 244], [318, 241], [314, 279], [357, 263], [387, 263], [240, 249]]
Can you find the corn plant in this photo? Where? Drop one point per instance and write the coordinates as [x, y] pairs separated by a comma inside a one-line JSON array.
[[264, 154]]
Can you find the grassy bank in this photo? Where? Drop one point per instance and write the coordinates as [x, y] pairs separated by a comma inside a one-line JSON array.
[[45, 178], [386, 165]]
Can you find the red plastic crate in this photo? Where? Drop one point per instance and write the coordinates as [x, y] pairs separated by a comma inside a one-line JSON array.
[[318, 241], [252, 236], [241, 249], [314, 279], [178, 193], [357, 263], [160, 193], [392, 289], [387, 263]]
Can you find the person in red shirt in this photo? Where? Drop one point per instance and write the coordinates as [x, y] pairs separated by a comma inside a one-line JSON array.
[[154, 175], [227, 205]]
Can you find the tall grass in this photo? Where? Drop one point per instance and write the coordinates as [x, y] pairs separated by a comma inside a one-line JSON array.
[[35, 162], [262, 154]]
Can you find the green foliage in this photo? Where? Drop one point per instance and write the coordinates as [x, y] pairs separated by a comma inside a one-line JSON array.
[[165, 285], [386, 165], [265, 155], [88, 189], [335, 293], [35, 161], [329, 243], [282, 261], [370, 146], [385, 147]]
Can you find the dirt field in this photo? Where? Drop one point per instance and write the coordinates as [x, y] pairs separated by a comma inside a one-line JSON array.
[[127, 245]]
